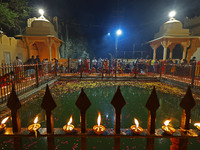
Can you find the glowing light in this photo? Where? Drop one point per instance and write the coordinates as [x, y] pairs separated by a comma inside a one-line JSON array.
[[41, 11], [166, 123], [36, 119], [172, 14], [108, 34], [4, 120], [136, 122], [99, 119], [70, 121], [119, 32]]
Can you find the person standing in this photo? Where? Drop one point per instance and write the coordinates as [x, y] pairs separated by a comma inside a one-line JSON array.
[[79, 64], [18, 69], [86, 65], [94, 63]]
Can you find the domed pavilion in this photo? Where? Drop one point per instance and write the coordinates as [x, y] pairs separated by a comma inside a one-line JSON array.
[[41, 39], [172, 33]]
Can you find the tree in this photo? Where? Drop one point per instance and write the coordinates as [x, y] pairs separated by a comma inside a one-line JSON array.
[[7, 16], [13, 15]]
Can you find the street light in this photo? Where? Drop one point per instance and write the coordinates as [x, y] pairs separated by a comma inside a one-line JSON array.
[[118, 33]]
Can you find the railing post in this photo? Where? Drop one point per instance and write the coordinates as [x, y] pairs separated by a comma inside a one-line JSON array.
[[68, 64], [152, 105], [14, 105], [136, 69], [102, 73], [116, 69], [187, 104], [161, 64], [36, 75], [55, 68], [118, 103], [83, 103], [193, 74], [48, 105], [81, 70]]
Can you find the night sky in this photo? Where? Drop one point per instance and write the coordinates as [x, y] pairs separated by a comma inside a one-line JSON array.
[[139, 19]]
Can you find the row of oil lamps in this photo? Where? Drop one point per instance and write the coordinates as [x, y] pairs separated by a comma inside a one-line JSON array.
[[98, 129]]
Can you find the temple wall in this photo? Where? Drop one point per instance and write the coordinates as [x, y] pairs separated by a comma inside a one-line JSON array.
[[10, 48], [197, 54]]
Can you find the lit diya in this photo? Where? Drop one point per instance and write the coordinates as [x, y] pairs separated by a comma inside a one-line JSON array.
[[34, 127], [168, 129], [197, 125], [3, 125], [136, 128], [69, 127], [99, 129]]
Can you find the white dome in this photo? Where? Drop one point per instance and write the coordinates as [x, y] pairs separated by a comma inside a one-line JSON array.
[[41, 27], [172, 27]]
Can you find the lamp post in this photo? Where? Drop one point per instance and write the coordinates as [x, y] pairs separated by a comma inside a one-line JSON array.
[[118, 33]]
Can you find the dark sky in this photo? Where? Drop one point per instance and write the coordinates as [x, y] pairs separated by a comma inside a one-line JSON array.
[[139, 19]]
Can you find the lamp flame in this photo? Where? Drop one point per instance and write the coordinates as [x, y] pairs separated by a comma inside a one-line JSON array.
[[197, 124], [70, 121], [4, 120], [136, 122], [99, 119], [36, 119], [167, 122]]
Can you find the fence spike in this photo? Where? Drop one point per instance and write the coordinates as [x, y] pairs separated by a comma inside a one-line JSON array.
[[14, 105], [83, 103], [153, 102], [118, 103], [152, 105], [187, 104], [48, 102], [48, 105]]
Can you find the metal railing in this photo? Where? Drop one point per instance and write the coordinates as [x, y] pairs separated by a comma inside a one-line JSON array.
[[25, 77], [189, 74], [179, 141]]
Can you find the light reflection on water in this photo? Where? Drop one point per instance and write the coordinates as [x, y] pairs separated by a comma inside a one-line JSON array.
[[100, 98]]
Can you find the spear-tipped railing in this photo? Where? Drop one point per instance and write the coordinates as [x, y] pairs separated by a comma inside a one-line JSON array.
[[179, 141]]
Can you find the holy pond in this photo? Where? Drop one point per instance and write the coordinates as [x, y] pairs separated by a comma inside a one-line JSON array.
[[100, 94]]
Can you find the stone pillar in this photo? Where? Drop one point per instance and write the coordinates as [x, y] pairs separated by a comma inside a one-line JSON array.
[[171, 48], [154, 54], [154, 47], [185, 46], [50, 45], [170, 54], [165, 45]]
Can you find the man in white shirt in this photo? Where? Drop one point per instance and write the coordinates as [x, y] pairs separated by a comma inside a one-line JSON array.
[[94, 63]]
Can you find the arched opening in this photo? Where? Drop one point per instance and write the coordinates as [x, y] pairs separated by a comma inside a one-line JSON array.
[[177, 52], [159, 52], [168, 53]]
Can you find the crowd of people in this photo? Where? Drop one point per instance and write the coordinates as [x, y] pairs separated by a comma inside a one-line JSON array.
[[100, 65]]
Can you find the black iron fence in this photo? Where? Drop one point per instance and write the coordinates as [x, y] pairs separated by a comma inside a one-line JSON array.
[[179, 137], [25, 77]]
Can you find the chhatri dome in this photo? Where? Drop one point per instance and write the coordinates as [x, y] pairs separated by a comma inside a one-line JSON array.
[[172, 27], [40, 27], [41, 39]]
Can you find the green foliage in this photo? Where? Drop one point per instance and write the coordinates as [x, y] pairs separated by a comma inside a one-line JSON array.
[[13, 15], [7, 16]]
